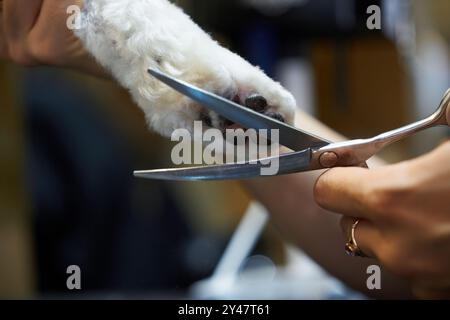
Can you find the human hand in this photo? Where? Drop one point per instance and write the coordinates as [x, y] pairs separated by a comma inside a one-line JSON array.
[[404, 213], [35, 32], [448, 116]]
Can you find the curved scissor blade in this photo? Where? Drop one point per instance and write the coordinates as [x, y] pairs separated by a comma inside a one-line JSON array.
[[287, 163], [290, 136]]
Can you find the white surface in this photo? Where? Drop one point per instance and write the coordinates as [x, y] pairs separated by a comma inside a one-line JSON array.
[[239, 276]]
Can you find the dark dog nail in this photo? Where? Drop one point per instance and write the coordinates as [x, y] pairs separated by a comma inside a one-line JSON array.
[[206, 119], [276, 116], [256, 102], [225, 122]]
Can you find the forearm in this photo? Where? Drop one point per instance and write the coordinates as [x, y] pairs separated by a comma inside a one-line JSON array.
[[294, 211]]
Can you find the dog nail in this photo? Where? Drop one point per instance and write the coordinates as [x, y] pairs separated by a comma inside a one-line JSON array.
[[206, 119], [226, 123], [256, 102], [276, 116]]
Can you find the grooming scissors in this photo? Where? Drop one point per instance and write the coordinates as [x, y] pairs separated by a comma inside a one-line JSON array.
[[310, 152]]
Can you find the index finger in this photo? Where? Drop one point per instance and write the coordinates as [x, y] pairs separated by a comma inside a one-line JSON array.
[[344, 190], [448, 115]]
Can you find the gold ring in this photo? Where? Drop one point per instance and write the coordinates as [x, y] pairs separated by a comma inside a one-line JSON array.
[[351, 247]]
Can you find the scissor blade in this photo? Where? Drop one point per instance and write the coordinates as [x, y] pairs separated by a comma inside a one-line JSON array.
[[288, 163], [289, 136]]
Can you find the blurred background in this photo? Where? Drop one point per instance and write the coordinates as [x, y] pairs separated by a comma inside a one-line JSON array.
[[70, 142]]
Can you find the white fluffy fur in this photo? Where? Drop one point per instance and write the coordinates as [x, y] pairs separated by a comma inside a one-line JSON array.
[[129, 36]]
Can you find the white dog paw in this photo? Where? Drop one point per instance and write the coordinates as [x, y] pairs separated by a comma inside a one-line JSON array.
[[235, 79], [129, 36], [277, 104]]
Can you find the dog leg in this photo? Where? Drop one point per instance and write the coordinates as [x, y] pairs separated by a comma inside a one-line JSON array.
[[129, 36]]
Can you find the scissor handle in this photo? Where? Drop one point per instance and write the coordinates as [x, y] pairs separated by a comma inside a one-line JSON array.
[[357, 152]]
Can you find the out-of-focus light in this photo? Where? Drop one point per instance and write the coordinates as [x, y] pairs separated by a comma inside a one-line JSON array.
[[398, 25]]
